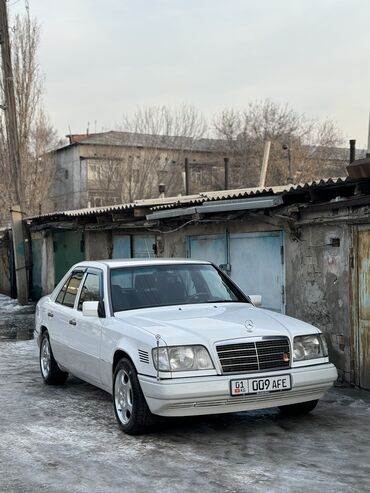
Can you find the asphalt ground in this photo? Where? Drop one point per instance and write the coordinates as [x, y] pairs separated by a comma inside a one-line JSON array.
[[65, 439]]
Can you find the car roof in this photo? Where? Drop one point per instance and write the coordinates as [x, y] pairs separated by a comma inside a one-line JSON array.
[[134, 262]]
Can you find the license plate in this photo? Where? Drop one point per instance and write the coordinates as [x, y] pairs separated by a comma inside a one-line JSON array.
[[261, 384]]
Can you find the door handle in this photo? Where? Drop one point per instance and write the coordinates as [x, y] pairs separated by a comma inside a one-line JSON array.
[[50, 314], [72, 322]]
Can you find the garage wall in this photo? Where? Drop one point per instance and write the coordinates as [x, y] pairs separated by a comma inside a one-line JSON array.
[[318, 283], [98, 245]]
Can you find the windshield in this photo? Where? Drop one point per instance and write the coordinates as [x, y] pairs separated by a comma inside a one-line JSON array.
[[161, 285]]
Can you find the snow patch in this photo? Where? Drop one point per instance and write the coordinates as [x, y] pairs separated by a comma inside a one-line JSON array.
[[8, 305]]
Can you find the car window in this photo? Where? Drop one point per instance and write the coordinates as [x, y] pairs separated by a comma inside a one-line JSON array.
[[161, 285], [71, 289], [90, 290], [59, 298]]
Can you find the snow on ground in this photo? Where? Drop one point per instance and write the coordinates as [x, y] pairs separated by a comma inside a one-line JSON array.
[[10, 306], [58, 439]]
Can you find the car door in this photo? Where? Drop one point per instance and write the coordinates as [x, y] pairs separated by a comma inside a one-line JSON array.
[[60, 315], [87, 331]]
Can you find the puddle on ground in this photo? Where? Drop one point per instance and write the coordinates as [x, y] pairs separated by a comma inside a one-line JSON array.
[[15, 334]]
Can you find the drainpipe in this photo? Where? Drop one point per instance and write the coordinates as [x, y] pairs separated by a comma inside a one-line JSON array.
[[352, 150]]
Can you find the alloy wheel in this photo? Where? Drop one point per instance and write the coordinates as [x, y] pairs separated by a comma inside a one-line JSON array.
[[45, 357], [123, 396]]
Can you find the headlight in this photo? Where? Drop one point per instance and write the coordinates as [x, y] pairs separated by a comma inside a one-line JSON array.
[[182, 358], [309, 347]]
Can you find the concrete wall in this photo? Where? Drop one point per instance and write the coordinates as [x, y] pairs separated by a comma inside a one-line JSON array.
[[69, 186], [317, 286], [47, 268], [98, 245]]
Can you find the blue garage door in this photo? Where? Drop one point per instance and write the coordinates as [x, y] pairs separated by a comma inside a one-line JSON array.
[[256, 261], [208, 247], [257, 266], [121, 246], [135, 246]]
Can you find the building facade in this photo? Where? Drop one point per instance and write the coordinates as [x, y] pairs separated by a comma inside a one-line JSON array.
[[115, 167]]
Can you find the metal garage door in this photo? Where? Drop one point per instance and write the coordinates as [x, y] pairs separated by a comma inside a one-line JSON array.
[[135, 246], [257, 266], [208, 247], [69, 248], [363, 290], [256, 261]]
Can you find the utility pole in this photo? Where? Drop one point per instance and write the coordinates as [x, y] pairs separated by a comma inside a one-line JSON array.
[[18, 209], [265, 162], [187, 177], [10, 107], [226, 169]]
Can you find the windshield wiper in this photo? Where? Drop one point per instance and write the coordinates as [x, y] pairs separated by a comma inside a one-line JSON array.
[[226, 301]]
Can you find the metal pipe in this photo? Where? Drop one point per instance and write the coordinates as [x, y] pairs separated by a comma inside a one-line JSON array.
[[265, 161], [187, 177], [352, 150], [226, 161]]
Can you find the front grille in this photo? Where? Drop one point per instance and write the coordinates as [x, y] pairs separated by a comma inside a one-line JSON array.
[[254, 356]]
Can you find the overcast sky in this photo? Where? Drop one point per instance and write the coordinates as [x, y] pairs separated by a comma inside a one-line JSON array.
[[102, 58]]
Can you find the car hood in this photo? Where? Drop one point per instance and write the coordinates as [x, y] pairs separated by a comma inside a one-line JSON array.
[[191, 324]]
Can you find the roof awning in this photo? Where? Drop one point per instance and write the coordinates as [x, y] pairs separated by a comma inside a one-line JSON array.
[[265, 202]]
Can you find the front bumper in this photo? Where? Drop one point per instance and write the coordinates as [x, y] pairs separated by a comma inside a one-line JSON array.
[[211, 395]]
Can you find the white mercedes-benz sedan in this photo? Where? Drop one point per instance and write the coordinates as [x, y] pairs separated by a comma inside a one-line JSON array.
[[177, 338]]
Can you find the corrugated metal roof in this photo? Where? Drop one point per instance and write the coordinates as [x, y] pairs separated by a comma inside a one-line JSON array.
[[173, 202], [143, 203], [251, 192]]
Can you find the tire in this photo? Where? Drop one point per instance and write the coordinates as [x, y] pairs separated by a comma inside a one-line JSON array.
[[130, 407], [50, 371], [298, 409]]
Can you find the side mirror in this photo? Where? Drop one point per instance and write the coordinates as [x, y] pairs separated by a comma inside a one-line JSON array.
[[256, 299], [90, 308]]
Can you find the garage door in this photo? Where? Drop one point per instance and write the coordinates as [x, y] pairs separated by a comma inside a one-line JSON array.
[[257, 266], [69, 248], [255, 259], [135, 246], [208, 247], [363, 334]]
